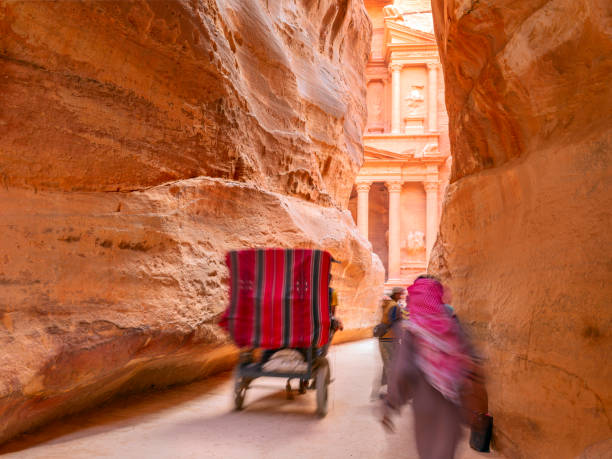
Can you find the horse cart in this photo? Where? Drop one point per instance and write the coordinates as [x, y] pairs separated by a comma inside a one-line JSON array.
[[280, 306]]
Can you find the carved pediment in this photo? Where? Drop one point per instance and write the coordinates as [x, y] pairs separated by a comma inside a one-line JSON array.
[[396, 33], [428, 153], [374, 153]]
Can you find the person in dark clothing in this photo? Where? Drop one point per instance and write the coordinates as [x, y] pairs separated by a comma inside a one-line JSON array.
[[390, 314], [431, 363]]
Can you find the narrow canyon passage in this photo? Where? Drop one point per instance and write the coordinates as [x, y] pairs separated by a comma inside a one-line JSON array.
[[197, 421], [141, 141]]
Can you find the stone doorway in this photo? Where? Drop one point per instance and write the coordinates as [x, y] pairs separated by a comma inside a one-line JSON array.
[[378, 220], [378, 223]]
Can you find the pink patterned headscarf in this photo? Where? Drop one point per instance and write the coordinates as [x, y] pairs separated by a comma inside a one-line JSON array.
[[441, 352]]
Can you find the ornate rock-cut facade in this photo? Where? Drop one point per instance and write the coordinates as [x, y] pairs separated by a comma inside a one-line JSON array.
[[141, 140], [398, 191], [524, 239]]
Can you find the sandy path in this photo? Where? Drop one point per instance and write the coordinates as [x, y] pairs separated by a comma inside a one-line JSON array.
[[197, 421]]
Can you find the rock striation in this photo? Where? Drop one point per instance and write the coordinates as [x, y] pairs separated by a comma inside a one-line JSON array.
[[524, 240], [141, 140]]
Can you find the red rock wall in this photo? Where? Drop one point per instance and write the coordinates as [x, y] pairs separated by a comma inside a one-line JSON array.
[[524, 240], [139, 141]]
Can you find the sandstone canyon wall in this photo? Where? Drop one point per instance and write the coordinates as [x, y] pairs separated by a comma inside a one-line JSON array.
[[141, 140], [524, 240]]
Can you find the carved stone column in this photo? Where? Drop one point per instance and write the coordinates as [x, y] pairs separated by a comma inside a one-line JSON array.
[[431, 193], [363, 196], [394, 189], [395, 98], [432, 96]]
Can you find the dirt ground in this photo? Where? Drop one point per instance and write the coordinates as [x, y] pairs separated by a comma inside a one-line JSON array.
[[198, 421]]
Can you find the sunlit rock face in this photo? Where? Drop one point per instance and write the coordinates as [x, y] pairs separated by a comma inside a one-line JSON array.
[[139, 141], [524, 241]]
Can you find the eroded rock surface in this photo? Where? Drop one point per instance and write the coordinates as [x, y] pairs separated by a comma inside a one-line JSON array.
[[139, 141], [525, 234]]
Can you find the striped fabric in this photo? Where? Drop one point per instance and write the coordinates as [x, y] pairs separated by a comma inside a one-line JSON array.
[[278, 298]]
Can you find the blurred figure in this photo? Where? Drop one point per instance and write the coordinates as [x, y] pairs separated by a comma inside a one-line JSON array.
[[430, 366], [336, 323], [391, 313], [404, 306]]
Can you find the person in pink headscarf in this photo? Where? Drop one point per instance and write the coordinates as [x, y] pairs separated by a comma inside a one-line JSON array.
[[432, 361]]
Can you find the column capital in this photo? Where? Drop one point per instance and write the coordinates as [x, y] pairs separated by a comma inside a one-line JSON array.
[[363, 186], [394, 66], [432, 65], [394, 186], [431, 185]]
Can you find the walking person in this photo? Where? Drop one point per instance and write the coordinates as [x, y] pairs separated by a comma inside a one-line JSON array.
[[431, 363], [391, 313]]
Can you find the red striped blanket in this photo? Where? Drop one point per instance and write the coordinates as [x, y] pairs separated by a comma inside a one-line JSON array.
[[278, 298]]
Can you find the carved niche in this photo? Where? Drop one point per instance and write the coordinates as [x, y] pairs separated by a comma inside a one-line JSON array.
[[376, 106], [414, 243], [414, 109]]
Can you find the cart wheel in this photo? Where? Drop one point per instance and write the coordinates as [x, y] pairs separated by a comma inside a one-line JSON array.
[[303, 386], [239, 393], [321, 383]]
